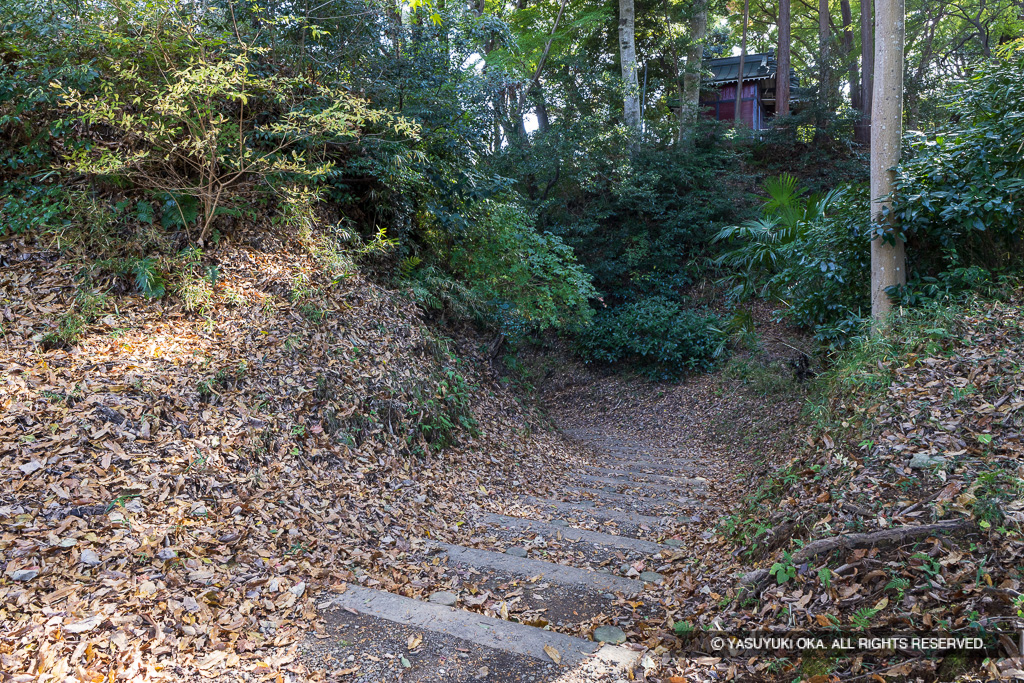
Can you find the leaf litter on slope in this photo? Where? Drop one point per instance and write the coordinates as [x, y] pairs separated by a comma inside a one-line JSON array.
[[173, 497]]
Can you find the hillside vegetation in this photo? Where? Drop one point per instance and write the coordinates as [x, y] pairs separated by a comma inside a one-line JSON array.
[[901, 506], [183, 484], [293, 295]]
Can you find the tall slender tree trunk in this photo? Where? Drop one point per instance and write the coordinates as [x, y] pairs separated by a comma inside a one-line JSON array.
[[522, 93], [516, 101], [678, 73], [395, 12], [543, 122], [302, 36], [825, 55], [627, 55], [739, 74], [867, 71], [782, 68], [690, 104], [848, 55], [888, 258]]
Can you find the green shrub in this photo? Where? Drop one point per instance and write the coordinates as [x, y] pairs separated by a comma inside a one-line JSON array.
[[764, 380], [958, 189], [438, 413], [808, 252], [71, 324], [504, 273], [656, 335], [639, 219], [435, 289], [27, 207], [528, 280], [185, 114], [194, 292]]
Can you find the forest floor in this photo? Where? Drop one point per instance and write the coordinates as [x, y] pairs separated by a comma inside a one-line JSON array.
[[885, 500], [302, 481]]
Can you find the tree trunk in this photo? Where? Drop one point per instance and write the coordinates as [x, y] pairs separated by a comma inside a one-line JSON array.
[[888, 259], [738, 113], [396, 29], [848, 55], [678, 76], [542, 110], [518, 119], [867, 75], [824, 53], [302, 36], [534, 87], [690, 103], [627, 55], [782, 70]]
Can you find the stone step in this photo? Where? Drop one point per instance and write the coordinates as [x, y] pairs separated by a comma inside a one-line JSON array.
[[587, 433], [636, 474], [378, 650], [680, 485], [600, 496], [671, 465], [477, 629], [587, 509], [596, 439], [531, 600], [550, 530], [563, 575]]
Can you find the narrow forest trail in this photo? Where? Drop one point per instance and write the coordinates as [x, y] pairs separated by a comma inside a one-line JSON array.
[[196, 485], [608, 547]]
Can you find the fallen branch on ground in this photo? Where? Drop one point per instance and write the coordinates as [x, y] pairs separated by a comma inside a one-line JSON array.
[[825, 546]]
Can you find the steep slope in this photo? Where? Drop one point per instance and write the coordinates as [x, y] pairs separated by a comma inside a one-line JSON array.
[[176, 486]]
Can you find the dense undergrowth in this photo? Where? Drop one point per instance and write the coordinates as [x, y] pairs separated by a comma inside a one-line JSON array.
[[916, 427], [137, 140], [955, 205], [185, 483]]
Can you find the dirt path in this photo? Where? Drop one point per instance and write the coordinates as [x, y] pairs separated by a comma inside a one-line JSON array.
[[701, 440], [610, 555], [194, 499]]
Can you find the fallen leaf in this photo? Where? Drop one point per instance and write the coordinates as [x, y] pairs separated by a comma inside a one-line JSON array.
[[85, 625], [345, 672]]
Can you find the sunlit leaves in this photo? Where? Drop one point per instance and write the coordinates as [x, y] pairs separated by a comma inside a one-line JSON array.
[[197, 123]]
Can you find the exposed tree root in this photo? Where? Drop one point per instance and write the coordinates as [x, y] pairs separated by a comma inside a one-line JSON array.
[[753, 580]]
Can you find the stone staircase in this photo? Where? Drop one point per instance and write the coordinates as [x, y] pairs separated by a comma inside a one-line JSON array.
[[602, 523]]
